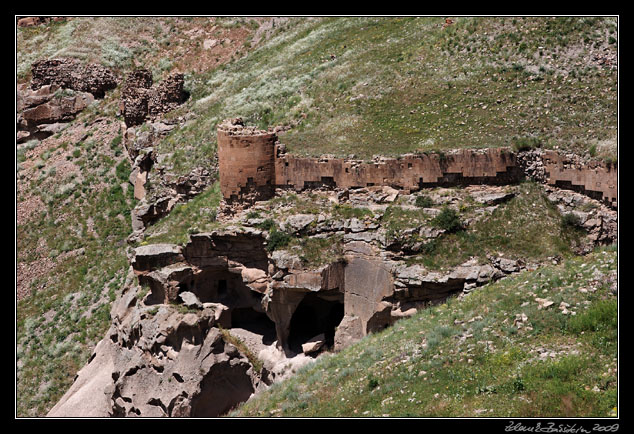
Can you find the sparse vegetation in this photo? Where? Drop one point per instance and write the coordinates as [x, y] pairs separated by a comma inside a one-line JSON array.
[[353, 85], [454, 360], [448, 220], [277, 239], [242, 347], [423, 201]]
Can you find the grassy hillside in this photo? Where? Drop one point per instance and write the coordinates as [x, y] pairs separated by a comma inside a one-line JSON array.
[[496, 353], [359, 86], [369, 86], [74, 204], [73, 196]]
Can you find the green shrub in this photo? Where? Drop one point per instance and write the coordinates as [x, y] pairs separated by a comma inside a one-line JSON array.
[[424, 201], [116, 142], [253, 215], [277, 239], [593, 150], [602, 315], [525, 143], [123, 170], [267, 225], [448, 220], [373, 383], [571, 221]]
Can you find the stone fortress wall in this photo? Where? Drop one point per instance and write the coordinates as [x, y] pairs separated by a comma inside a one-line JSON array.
[[408, 172], [246, 161], [595, 179], [252, 163]]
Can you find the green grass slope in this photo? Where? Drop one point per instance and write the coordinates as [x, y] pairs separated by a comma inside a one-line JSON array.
[[74, 205], [359, 86], [369, 86], [499, 352]]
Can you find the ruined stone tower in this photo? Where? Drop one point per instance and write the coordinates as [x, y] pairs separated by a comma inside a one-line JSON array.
[[246, 158]]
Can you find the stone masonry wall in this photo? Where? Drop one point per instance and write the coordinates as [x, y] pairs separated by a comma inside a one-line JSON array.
[[252, 163], [69, 73], [246, 161], [595, 179], [408, 172]]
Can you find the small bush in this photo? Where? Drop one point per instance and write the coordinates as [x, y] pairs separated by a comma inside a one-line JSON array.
[[373, 383], [525, 143], [593, 150], [570, 221], [448, 220], [424, 202], [602, 315], [253, 215], [267, 225], [123, 170], [116, 142], [277, 239]]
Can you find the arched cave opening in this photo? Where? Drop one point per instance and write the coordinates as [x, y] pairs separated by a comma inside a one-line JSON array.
[[314, 315]]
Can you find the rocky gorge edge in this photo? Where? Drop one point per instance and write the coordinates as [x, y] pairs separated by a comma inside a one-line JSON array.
[[201, 327]]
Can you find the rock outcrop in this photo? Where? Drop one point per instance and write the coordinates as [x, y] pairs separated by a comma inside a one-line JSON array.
[[201, 327], [45, 111], [36, 21], [69, 73], [168, 188], [141, 100], [158, 362], [59, 90]]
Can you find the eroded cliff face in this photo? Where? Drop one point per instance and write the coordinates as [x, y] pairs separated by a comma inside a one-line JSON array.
[[199, 328]]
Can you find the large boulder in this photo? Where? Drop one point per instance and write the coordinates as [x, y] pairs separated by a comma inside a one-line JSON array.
[[153, 256], [368, 283]]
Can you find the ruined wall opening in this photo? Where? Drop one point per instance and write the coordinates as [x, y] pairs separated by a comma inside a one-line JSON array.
[[316, 314]]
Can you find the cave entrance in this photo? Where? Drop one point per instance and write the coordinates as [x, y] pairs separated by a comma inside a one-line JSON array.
[[314, 315], [257, 323]]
